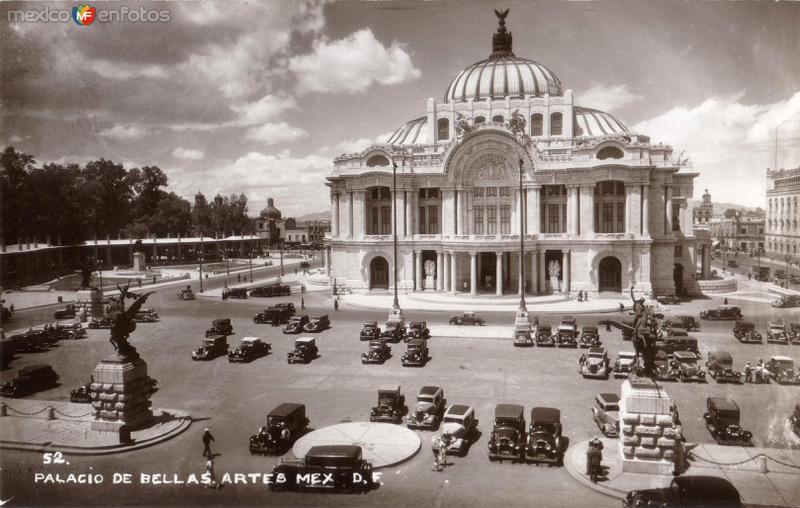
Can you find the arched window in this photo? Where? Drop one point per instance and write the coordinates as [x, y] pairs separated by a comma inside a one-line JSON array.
[[479, 120], [556, 124], [444, 128], [497, 119], [377, 160], [610, 152], [537, 123]]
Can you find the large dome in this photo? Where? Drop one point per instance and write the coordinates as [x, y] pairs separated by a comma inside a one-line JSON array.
[[503, 74], [593, 122]]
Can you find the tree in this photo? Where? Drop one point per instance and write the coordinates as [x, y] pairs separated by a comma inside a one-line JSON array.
[[730, 213], [15, 168]]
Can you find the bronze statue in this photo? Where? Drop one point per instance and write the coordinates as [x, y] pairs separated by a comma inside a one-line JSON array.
[[122, 324], [86, 273]]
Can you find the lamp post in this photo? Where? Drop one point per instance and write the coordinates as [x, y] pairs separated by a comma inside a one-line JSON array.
[[200, 260], [787, 258], [250, 255], [758, 263], [395, 303], [522, 307], [101, 275]]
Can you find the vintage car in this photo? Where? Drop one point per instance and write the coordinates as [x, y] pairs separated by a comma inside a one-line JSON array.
[[305, 350], [460, 424], [288, 306], [67, 312], [395, 331], [781, 369], [417, 330], [673, 344], [235, 293], [271, 290], [688, 366], [70, 331], [788, 301], [329, 467], [794, 420], [507, 440], [596, 364], [690, 324], [589, 337], [522, 333], [379, 351], [285, 423], [722, 312], [666, 368], [720, 367], [81, 394], [428, 409], [671, 299], [212, 347], [186, 294], [605, 413], [391, 406], [624, 364], [317, 324], [274, 316], [733, 263], [220, 327], [416, 354], [793, 332], [544, 436], [566, 336], [296, 324], [145, 316], [544, 336], [249, 349], [776, 332], [7, 351], [687, 492], [722, 421], [31, 378], [370, 331], [101, 322], [466, 318], [745, 332], [31, 340]]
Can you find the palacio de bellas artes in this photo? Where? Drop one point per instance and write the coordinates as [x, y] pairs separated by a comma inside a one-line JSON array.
[[379, 254]]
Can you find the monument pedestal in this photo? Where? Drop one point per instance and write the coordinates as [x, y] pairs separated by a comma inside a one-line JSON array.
[[120, 392], [90, 299], [430, 283], [139, 262], [648, 431]]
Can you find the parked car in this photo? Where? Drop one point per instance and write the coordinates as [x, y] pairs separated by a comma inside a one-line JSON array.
[[378, 352], [305, 265], [81, 394], [690, 324], [30, 341], [416, 354], [370, 331], [417, 330], [271, 290], [794, 420], [101, 322], [544, 436], [30, 379], [329, 467], [733, 263], [794, 279], [605, 413], [781, 369], [67, 312], [274, 316], [688, 367], [544, 336], [235, 293], [220, 327], [675, 344], [285, 423], [186, 294], [212, 347], [507, 440], [788, 301], [780, 274], [687, 492], [428, 409], [391, 406], [745, 332], [394, 331], [296, 324], [624, 364], [288, 306], [249, 349], [776, 333], [720, 367], [722, 312], [71, 331], [145, 316], [305, 350], [596, 364], [460, 424], [317, 324], [666, 368], [722, 421], [467, 318], [793, 332], [590, 337]]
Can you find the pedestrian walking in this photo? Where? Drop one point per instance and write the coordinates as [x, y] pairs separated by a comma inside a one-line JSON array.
[[238, 277], [336, 304], [207, 438], [210, 475], [748, 373], [621, 308], [726, 301], [302, 303], [139, 280], [154, 279]]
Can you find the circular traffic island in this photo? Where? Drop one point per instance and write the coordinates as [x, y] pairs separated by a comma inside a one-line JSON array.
[[382, 444]]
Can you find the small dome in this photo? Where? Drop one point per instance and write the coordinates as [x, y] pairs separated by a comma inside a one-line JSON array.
[[593, 122], [411, 133], [270, 212]]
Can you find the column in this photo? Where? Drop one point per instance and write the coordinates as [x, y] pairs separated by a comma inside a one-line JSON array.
[[473, 273], [439, 277], [587, 210], [335, 213], [572, 210], [457, 212], [454, 272], [521, 283], [359, 213], [668, 214], [446, 273], [349, 225], [447, 212], [565, 262], [575, 211], [393, 219], [542, 272], [498, 273], [410, 212], [628, 211], [645, 210], [534, 272], [327, 259], [418, 270], [534, 221], [518, 209]]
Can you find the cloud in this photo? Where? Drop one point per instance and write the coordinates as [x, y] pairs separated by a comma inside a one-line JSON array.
[[121, 71], [187, 154], [352, 65], [122, 132], [14, 139], [265, 109], [731, 143], [274, 133], [607, 98]]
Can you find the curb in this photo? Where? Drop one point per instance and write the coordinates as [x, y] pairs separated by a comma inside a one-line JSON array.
[[531, 309]]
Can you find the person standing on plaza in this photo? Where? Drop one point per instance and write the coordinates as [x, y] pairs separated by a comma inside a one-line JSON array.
[[211, 475], [336, 304], [302, 303], [207, 438]]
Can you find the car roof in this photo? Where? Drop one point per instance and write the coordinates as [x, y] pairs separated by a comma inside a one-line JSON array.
[[370, 323], [608, 398], [711, 488], [304, 340], [429, 390], [597, 350], [589, 328], [376, 343], [747, 323], [30, 368], [221, 320], [214, 338], [721, 355], [722, 403], [627, 354], [416, 342], [285, 409], [781, 358], [250, 339], [348, 451], [545, 327], [545, 414], [508, 411], [567, 318], [389, 388], [418, 323], [684, 316], [458, 409], [684, 355]]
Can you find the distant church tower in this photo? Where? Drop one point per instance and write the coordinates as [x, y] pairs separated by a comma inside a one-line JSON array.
[[702, 214]]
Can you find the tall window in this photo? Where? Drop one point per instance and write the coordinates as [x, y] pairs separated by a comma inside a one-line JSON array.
[[620, 216], [556, 121], [608, 217], [537, 123], [477, 192], [386, 220], [491, 220], [505, 192], [505, 219], [433, 220], [423, 225], [444, 128], [609, 209], [491, 192], [478, 213], [376, 212], [552, 219]]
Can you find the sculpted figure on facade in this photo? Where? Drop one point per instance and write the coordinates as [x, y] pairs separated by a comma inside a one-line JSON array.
[[430, 268]]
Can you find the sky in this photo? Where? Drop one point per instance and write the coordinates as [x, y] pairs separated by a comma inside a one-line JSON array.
[[259, 97]]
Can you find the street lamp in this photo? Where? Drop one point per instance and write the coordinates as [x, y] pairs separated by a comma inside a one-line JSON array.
[[200, 260], [787, 259], [250, 254], [522, 307], [101, 275], [396, 313]]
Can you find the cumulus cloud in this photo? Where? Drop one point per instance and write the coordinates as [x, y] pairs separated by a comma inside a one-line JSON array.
[[274, 133], [607, 98], [731, 143], [265, 109], [122, 132], [125, 70], [352, 64], [187, 154]]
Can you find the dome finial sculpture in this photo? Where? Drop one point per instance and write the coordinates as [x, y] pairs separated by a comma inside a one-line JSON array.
[[502, 39]]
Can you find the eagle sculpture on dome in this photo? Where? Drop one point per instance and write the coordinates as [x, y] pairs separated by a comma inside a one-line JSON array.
[[502, 15]]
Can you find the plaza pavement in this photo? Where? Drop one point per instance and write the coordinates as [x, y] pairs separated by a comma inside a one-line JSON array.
[[779, 486]]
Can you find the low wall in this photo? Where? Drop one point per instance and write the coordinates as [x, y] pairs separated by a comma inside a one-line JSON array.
[[717, 286]]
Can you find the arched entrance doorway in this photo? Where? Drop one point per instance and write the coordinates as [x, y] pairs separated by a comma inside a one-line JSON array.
[[677, 278], [379, 273], [610, 275]]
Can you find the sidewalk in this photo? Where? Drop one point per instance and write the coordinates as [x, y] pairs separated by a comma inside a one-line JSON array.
[[778, 487], [27, 427]]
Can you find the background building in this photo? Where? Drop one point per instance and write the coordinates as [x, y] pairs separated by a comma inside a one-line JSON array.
[[782, 233]]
